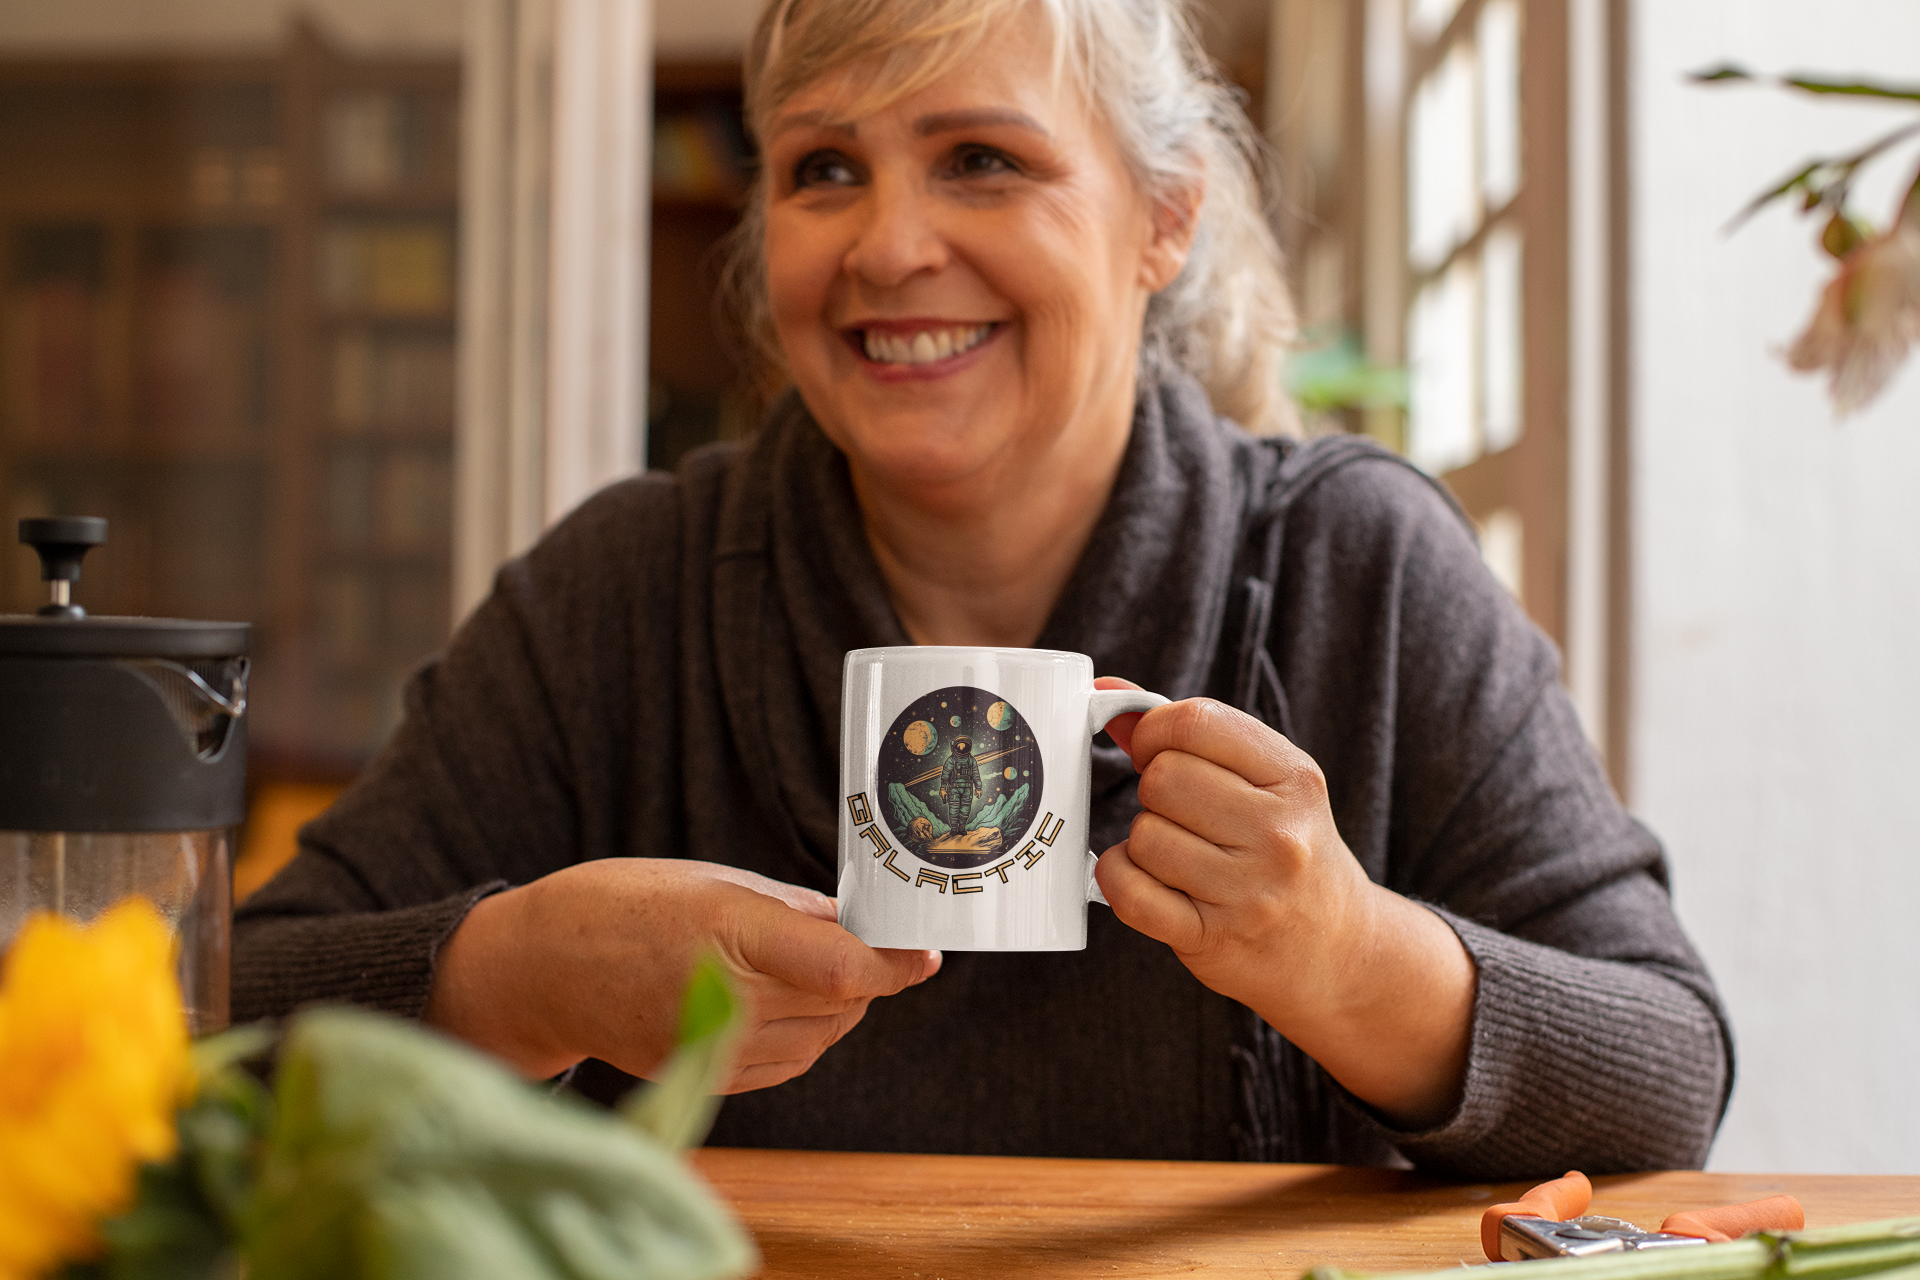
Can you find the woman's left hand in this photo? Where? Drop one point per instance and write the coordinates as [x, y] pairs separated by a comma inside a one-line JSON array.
[[1235, 862]]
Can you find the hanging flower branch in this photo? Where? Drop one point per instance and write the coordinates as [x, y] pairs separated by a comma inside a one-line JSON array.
[[1869, 313]]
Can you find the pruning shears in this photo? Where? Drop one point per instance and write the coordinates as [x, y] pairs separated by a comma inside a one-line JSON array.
[[1551, 1221]]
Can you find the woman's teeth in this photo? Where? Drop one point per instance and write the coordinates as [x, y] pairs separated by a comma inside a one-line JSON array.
[[925, 346]]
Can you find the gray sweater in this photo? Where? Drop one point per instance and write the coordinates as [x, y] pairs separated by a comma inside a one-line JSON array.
[[660, 677]]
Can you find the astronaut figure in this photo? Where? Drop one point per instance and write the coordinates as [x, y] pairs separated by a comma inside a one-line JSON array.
[[959, 783]]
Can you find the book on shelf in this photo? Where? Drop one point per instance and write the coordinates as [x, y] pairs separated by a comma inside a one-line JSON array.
[[372, 614], [207, 559], [392, 380], [349, 497], [413, 500], [700, 155], [348, 612], [378, 141], [53, 347], [394, 267], [228, 179], [198, 367], [416, 613], [390, 499]]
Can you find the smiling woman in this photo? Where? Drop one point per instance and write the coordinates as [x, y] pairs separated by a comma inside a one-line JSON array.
[[967, 242], [1371, 896]]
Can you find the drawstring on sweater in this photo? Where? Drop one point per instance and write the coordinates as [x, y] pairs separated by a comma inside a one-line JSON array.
[[1285, 1104]]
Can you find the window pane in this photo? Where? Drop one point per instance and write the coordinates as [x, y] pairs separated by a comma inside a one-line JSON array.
[[1428, 18], [1441, 428], [1499, 47], [1500, 338], [1442, 191], [1501, 546]]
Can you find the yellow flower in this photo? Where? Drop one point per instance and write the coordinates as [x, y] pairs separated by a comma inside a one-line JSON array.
[[93, 1065]]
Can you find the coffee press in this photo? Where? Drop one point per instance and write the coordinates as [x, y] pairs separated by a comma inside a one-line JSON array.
[[123, 755]]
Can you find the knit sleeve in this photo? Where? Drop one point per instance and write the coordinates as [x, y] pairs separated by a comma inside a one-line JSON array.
[[1598, 1041], [512, 760]]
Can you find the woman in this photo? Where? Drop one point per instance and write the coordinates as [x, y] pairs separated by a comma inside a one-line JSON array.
[[1370, 892]]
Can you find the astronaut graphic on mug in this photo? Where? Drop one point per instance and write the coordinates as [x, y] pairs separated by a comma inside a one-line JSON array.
[[960, 776], [959, 782]]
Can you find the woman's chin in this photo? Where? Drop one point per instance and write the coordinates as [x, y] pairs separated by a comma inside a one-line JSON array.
[[933, 460]]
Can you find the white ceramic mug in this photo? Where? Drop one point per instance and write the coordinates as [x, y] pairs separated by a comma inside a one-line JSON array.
[[964, 781]]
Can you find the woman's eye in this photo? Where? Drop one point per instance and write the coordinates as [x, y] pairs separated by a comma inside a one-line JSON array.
[[823, 169], [975, 161]]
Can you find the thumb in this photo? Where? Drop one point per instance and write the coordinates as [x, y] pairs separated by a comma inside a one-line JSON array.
[[826, 960]]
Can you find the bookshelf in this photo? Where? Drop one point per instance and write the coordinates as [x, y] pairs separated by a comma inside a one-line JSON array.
[[227, 324], [376, 239], [139, 207], [702, 164]]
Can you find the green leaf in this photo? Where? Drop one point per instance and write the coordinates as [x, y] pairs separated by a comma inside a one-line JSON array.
[[1852, 88], [186, 1210], [230, 1048], [1336, 374], [1806, 83], [399, 1153], [710, 1007], [678, 1109], [1826, 180], [1843, 234], [1800, 180], [169, 1233]]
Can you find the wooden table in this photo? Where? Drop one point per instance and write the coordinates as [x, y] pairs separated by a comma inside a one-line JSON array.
[[827, 1215]]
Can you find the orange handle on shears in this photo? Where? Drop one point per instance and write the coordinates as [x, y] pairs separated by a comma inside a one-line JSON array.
[[1556, 1201], [1775, 1213]]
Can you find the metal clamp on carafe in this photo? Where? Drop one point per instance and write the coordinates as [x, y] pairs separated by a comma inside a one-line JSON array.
[[123, 748]]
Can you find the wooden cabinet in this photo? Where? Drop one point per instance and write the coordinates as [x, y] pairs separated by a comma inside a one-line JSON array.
[[702, 163], [227, 325]]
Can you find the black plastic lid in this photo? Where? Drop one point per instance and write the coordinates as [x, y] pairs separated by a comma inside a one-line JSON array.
[[25, 635], [63, 629]]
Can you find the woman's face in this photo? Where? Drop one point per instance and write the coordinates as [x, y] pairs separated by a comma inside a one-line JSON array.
[[959, 279]]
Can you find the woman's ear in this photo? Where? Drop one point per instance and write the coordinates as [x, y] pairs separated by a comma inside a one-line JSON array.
[[1176, 218]]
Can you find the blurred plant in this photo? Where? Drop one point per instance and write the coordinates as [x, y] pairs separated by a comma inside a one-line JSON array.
[[382, 1149], [1869, 313], [1329, 372]]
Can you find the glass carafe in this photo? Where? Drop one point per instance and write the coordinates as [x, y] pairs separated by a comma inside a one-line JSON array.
[[122, 766]]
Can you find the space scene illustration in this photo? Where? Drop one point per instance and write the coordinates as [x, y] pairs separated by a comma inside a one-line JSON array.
[[960, 776]]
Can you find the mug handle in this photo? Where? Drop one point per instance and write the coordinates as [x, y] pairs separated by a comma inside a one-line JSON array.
[[1102, 707]]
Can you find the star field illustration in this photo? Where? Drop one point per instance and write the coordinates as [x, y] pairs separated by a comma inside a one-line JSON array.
[[960, 772]]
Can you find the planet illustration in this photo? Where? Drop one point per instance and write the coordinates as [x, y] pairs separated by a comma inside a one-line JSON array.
[[1000, 716], [954, 721], [919, 737], [921, 829], [1008, 772]]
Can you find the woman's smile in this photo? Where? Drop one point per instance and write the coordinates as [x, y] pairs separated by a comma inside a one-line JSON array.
[[893, 350]]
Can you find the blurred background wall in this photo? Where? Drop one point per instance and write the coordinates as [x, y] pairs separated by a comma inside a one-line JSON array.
[[207, 26], [1776, 586]]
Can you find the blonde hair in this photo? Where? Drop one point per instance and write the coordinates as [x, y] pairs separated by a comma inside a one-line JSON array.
[[1226, 320]]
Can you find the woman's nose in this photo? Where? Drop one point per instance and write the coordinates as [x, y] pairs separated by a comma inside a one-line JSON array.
[[899, 238]]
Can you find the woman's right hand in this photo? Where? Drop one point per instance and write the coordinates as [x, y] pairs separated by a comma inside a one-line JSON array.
[[591, 961]]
